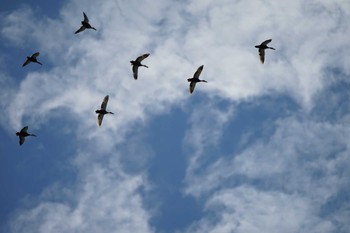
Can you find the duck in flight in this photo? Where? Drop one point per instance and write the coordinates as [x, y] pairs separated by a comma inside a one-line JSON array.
[[137, 63], [262, 48], [193, 81], [22, 134], [32, 59], [85, 24], [102, 111]]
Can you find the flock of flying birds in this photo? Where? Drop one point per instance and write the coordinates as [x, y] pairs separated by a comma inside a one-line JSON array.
[[135, 66]]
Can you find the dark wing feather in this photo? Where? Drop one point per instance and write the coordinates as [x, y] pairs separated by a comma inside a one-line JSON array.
[[24, 130], [140, 58], [192, 86], [104, 102], [35, 55], [82, 28], [266, 42], [262, 55], [21, 140], [86, 19], [198, 72], [26, 62], [99, 119], [135, 71]]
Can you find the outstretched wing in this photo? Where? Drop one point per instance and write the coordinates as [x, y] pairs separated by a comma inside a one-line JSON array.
[[35, 55], [26, 62], [262, 55], [266, 42], [140, 58], [99, 119], [135, 71], [86, 19], [21, 140], [82, 28], [198, 72], [104, 102], [192, 86], [24, 130]]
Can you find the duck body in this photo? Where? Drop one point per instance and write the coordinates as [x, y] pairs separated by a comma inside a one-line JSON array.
[[22, 134], [85, 24], [262, 47], [137, 63], [195, 79], [32, 59], [102, 111]]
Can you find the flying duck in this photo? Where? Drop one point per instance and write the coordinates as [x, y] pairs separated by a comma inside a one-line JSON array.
[[262, 48], [135, 64], [32, 59], [85, 24], [195, 79], [102, 111], [22, 134]]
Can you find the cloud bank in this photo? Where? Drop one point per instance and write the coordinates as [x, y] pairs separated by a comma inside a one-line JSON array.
[[290, 178]]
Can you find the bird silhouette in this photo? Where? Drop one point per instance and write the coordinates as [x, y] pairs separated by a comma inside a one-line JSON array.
[[22, 134], [262, 48], [102, 111], [193, 81], [32, 59], [137, 63], [85, 24]]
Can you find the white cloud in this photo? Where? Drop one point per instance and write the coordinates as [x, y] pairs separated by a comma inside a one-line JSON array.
[[302, 158], [79, 70], [245, 209], [17, 25], [104, 201], [100, 59]]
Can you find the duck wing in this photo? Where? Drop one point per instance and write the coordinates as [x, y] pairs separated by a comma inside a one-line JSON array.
[[24, 130], [86, 19], [26, 62], [140, 58], [35, 55], [266, 42], [135, 71], [192, 86], [104, 102], [82, 28], [198, 72], [21, 140], [262, 55], [99, 119]]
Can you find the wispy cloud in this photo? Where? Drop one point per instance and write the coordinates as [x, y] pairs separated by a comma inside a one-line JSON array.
[[290, 174], [245, 209], [104, 201]]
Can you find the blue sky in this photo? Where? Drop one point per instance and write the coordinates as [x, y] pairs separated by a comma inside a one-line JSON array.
[[259, 148]]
